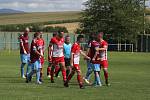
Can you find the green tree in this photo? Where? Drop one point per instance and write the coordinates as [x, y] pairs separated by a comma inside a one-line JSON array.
[[121, 18]]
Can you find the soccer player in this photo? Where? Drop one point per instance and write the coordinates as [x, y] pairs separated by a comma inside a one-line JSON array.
[[58, 55], [89, 64], [42, 44], [96, 62], [50, 49], [24, 52], [67, 53], [103, 56], [75, 57], [35, 55]]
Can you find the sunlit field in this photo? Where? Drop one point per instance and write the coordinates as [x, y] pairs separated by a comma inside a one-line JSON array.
[[129, 77]]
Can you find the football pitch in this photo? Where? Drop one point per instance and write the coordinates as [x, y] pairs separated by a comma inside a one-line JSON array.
[[129, 77]]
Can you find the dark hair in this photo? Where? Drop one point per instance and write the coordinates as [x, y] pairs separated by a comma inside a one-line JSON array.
[[54, 34], [36, 34], [79, 37]]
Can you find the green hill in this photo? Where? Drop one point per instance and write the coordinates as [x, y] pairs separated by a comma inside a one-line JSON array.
[[38, 17]]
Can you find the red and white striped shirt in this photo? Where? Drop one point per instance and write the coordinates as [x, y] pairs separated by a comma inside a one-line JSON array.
[[103, 54]]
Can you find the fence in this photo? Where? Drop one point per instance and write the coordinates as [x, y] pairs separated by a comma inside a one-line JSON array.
[[9, 40]]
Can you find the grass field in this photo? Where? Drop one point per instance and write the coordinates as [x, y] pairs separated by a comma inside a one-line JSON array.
[[129, 77], [38, 17]]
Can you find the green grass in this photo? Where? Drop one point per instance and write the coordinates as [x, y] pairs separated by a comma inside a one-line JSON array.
[[38, 17], [129, 77]]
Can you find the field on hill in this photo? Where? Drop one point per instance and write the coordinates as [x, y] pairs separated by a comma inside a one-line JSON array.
[[129, 77], [71, 27], [38, 17]]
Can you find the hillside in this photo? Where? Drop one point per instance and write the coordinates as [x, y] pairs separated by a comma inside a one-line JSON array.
[[37, 17], [9, 11]]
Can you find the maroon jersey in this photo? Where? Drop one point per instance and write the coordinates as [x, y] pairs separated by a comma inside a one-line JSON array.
[[25, 42], [34, 46], [93, 45]]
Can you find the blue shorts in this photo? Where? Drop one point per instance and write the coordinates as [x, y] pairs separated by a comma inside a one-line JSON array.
[[96, 67], [36, 65], [25, 58]]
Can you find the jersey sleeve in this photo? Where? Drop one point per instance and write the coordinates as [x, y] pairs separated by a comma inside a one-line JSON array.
[[89, 45], [21, 40], [73, 49], [53, 41], [34, 45], [105, 44]]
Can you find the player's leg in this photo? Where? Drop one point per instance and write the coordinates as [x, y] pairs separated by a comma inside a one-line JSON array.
[[79, 76], [52, 72], [29, 76], [38, 66], [89, 71], [68, 71], [69, 77], [24, 60], [105, 69], [80, 79], [29, 69], [57, 70], [106, 75], [63, 69], [68, 66], [49, 69], [97, 81], [41, 69]]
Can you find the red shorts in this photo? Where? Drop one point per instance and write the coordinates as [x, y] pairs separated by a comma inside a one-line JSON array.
[[76, 66], [57, 60], [104, 64], [42, 60]]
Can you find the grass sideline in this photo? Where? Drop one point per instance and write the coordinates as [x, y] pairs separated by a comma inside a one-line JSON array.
[[129, 73]]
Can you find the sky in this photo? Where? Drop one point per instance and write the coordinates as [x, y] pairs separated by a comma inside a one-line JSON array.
[[45, 5]]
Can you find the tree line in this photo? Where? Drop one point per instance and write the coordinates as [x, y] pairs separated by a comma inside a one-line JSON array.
[[121, 20]]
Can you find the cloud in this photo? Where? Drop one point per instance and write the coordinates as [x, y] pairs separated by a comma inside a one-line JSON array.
[[43, 5]]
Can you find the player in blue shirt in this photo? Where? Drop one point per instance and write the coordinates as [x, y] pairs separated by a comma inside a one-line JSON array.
[[67, 54]]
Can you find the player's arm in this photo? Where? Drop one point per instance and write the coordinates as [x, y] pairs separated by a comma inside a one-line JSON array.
[[71, 60], [22, 46], [82, 53], [105, 46], [88, 49], [50, 51], [96, 53], [36, 51]]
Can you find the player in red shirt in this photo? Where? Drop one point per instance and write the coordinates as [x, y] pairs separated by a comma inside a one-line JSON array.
[[75, 58], [50, 50], [103, 56], [41, 44], [36, 54], [58, 55], [24, 52]]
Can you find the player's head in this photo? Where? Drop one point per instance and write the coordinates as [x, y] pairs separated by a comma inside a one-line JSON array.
[[92, 36], [41, 34], [54, 34], [27, 30], [60, 34], [100, 35], [67, 39], [37, 35], [80, 38]]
